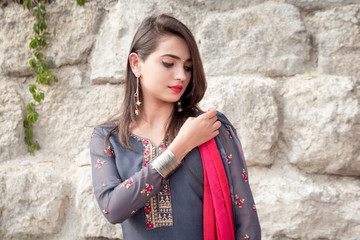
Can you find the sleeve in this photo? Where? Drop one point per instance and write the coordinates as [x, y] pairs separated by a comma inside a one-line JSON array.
[[246, 220], [119, 198]]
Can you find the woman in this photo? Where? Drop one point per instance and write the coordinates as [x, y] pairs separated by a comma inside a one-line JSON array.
[[149, 176]]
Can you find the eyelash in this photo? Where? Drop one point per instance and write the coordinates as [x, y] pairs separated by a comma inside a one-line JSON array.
[[169, 65]]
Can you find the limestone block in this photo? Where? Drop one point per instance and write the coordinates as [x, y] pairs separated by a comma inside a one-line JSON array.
[[33, 200], [321, 125], [15, 33], [69, 113], [12, 115], [315, 5], [69, 43], [249, 103], [229, 4], [93, 223], [293, 205], [269, 38], [337, 36]]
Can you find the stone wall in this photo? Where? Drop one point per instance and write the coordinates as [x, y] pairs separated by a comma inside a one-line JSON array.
[[300, 133]]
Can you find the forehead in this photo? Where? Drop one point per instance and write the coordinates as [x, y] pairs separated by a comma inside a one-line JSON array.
[[172, 45]]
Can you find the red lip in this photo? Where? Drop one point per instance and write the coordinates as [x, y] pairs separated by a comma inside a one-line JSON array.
[[176, 88]]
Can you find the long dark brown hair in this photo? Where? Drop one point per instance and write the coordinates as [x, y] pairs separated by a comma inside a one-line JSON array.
[[145, 42]]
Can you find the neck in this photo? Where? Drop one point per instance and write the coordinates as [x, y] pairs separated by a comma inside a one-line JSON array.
[[156, 114], [153, 121]]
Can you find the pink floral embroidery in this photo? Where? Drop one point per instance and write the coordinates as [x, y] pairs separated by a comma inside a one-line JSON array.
[[99, 163], [148, 209], [127, 183], [228, 158], [134, 211], [254, 208], [147, 190], [109, 151], [146, 152], [244, 175], [246, 237], [105, 211], [239, 201], [146, 142], [145, 163], [149, 225]]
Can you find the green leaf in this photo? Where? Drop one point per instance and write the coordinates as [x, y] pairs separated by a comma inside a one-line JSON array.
[[39, 55], [33, 44], [30, 107], [36, 145], [46, 34], [26, 123], [42, 95], [32, 88], [36, 116], [27, 4], [29, 133], [32, 62], [44, 66], [36, 28], [81, 2], [40, 69]]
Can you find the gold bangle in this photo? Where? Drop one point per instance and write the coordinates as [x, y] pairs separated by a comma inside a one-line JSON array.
[[165, 163]]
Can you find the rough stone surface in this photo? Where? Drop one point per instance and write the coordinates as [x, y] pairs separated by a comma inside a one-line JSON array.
[[32, 204], [15, 35], [300, 134], [12, 114], [322, 137], [249, 103], [69, 112], [311, 5], [310, 206], [337, 36], [256, 40]]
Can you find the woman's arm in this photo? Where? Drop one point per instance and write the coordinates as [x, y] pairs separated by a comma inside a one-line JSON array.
[[119, 198]]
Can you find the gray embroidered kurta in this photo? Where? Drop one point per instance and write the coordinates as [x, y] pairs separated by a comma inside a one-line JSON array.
[[129, 191]]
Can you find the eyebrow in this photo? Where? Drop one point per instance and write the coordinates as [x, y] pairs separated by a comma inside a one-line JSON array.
[[176, 57]]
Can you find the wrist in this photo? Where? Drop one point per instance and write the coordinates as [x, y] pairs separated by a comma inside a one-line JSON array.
[[165, 163], [180, 148]]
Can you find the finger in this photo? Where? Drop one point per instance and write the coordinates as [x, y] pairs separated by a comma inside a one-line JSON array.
[[217, 125], [209, 114]]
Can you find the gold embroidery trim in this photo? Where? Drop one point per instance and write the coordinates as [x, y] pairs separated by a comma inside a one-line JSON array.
[[158, 210]]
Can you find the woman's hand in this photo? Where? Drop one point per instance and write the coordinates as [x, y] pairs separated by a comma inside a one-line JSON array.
[[194, 132]]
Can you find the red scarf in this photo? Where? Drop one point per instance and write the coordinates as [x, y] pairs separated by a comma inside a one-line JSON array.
[[218, 217]]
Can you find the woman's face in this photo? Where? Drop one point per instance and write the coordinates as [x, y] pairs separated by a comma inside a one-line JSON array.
[[166, 72]]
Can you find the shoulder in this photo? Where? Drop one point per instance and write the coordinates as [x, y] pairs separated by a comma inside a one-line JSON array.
[[223, 119], [104, 129]]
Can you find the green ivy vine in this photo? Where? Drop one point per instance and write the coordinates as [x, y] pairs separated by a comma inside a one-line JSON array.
[[39, 63]]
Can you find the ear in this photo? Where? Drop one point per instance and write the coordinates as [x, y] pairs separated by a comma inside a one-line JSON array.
[[134, 61]]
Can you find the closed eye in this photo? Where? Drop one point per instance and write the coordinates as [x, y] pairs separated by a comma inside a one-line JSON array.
[[166, 64], [188, 69]]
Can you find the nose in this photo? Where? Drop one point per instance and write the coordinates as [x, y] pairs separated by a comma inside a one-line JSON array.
[[180, 73]]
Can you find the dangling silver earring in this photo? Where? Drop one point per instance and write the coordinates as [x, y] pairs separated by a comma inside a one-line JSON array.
[[179, 106], [137, 102]]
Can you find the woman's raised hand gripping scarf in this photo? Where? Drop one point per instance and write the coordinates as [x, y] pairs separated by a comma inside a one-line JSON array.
[[218, 218]]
